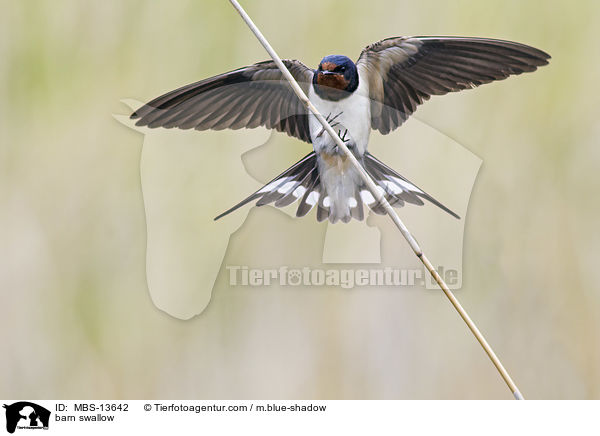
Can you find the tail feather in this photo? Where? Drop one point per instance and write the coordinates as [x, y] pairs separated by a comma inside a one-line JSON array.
[[396, 188], [302, 182], [322, 209], [358, 212], [301, 178], [311, 195], [289, 198]]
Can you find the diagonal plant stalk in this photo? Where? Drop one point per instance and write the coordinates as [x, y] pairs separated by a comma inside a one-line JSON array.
[[381, 199]]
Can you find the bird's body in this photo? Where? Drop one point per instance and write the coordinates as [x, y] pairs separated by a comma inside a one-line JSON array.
[[385, 86], [338, 177], [354, 116]]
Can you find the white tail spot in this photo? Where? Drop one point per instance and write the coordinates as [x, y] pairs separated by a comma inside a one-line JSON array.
[[299, 191], [367, 197], [406, 184], [287, 187], [392, 187], [312, 198], [273, 185]]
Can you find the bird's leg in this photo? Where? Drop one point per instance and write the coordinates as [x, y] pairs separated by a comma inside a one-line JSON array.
[[330, 119], [343, 136]]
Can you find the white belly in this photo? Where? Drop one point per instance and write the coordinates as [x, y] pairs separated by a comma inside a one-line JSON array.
[[338, 178], [355, 116]]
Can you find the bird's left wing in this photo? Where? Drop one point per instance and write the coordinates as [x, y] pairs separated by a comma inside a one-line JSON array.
[[252, 96], [403, 72]]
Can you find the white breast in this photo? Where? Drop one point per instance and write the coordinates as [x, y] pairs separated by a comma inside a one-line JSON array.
[[356, 117]]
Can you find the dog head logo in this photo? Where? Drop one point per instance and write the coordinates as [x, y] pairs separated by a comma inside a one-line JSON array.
[[26, 415]]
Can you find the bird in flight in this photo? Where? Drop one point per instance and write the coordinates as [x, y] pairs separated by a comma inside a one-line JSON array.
[[378, 92]]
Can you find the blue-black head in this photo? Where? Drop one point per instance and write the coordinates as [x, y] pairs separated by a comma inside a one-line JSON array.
[[336, 78]]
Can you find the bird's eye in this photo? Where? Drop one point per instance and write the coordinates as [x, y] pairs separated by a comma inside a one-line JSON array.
[[342, 69]]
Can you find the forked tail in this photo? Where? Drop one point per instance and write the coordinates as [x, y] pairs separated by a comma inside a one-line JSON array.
[[302, 182]]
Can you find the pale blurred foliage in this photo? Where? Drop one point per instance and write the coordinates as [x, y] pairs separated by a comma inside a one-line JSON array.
[[76, 315]]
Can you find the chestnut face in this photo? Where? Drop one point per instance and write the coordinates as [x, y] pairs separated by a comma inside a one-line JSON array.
[[336, 78], [332, 76]]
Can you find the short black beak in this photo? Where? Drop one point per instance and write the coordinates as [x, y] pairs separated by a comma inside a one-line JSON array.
[[328, 73]]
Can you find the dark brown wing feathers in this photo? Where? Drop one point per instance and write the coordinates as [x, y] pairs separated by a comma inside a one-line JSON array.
[[252, 96], [404, 72]]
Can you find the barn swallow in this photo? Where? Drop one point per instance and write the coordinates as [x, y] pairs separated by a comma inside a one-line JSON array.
[[378, 92]]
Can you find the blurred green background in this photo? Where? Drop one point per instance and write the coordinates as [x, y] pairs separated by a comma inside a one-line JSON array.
[[76, 315]]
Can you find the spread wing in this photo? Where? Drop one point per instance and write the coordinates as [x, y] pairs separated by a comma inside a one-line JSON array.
[[252, 96], [403, 72]]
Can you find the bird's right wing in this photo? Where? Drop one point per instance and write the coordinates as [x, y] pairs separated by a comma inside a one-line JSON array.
[[252, 96]]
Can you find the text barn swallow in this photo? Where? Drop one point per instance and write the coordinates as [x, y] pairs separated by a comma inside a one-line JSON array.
[[385, 86]]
